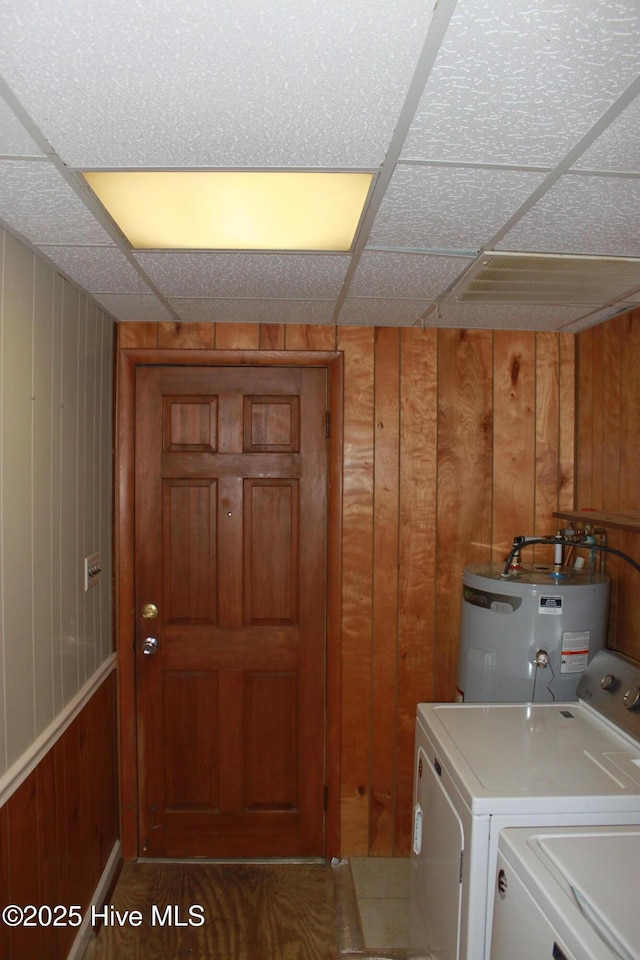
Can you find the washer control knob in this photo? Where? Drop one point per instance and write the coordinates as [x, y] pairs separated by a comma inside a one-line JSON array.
[[608, 682], [632, 698]]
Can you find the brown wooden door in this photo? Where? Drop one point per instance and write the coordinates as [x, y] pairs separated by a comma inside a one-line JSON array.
[[230, 521]]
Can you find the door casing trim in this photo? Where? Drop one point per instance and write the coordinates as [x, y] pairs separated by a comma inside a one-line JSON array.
[[128, 360]]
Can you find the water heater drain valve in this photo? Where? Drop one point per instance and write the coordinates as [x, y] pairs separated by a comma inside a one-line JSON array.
[[542, 659]]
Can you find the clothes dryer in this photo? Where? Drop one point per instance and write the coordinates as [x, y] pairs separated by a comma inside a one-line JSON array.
[[480, 769]]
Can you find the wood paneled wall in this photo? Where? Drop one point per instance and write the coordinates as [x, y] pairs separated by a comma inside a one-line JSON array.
[[608, 456], [56, 350], [454, 442], [59, 827]]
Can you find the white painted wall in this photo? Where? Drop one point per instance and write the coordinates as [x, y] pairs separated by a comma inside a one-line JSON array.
[[56, 355]]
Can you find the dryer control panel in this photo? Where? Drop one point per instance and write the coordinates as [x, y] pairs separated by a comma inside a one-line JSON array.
[[611, 685]]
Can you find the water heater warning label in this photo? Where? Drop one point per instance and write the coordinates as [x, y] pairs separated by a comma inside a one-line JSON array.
[[550, 604], [575, 651]]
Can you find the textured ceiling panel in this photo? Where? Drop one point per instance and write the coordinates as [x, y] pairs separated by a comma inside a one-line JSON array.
[[271, 275], [450, 208], [36, 201], [133, 306], [97, 269], [468, 111], [598, 316], [500, 316], [14, 139], [618, 148], [404, 275], [306, 83], [582, 214], [383, 313], [253, 311], [521, 82]]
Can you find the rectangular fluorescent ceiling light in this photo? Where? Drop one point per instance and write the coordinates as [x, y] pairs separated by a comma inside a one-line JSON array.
[[233, 210], [505, 277]]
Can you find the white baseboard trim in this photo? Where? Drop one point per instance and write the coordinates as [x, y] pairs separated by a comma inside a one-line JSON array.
[[29, 760], [85, 929]]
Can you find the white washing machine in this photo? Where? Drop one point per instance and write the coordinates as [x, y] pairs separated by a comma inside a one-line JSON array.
[[481, 768], [570, 893]]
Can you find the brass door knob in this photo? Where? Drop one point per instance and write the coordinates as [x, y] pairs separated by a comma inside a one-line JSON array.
[[149, 611]]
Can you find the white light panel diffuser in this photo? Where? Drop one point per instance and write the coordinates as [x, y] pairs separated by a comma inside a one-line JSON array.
[[234, 210]]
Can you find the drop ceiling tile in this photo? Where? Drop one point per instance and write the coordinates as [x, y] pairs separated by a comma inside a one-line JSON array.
[[36, 201], [598, 316], [97, 269], [502, 316], [384, 274], [581, 214], [311, 83], [14, 139], [618, 148], [246, 275], [381, 313], [521, 82], [448, 208], [204, 310], [133, 306]]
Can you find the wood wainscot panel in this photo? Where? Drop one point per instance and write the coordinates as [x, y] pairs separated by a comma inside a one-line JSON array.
[[5, 890], [24, 872], [58, 829], [49, 854]]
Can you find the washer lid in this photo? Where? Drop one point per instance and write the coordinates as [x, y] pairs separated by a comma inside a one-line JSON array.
[[597, 869], [513, 756]]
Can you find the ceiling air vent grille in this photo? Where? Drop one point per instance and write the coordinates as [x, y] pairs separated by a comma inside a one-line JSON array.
[[548, 278]]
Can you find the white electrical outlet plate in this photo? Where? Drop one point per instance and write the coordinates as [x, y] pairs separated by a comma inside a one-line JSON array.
[[91, 571]]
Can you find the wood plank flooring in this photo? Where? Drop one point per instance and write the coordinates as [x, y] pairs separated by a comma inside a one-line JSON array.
[[263, 911]]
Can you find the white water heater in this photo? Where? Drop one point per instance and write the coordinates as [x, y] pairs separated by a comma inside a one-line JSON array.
[[528, 636]]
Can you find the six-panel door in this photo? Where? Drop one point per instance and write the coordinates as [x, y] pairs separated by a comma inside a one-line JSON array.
[[230, 519]]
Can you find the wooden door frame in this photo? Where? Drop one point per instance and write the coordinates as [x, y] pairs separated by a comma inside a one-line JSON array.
[[128, 360]]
